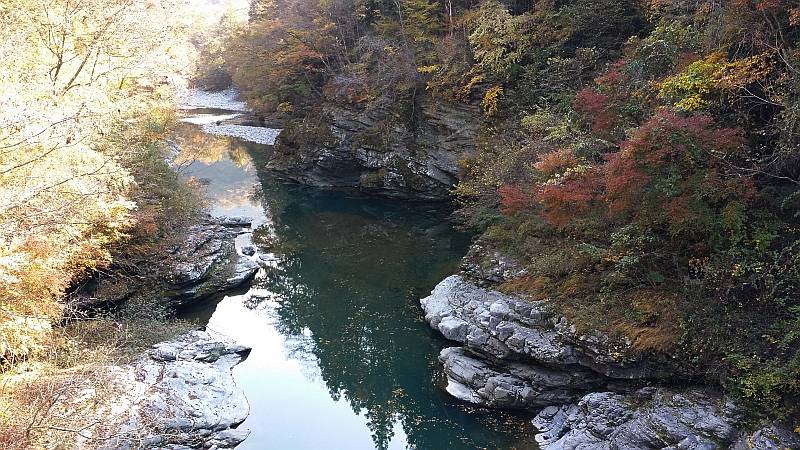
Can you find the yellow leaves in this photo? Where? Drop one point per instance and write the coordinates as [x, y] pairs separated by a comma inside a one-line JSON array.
[[695, 87], [702, 81], [490, 100], [465, 92], [21, 336], [749, 70], [428, 69], [496, 38], [285, 108]]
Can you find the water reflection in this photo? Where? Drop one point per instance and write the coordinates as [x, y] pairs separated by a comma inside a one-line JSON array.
[[341, 357], [222, 165]]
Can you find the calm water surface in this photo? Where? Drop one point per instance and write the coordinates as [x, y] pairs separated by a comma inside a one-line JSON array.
[[341, 358]]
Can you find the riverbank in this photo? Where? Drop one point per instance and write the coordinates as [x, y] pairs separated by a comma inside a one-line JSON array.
[[588, 389], [89, 359]]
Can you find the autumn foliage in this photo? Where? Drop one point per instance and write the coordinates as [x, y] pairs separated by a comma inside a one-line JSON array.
[[662, 192], [640, 158]]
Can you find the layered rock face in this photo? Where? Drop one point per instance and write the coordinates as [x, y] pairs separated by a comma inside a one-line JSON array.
[[518, 355], [203, 263], [370, 149], [514, 334], [207, 262], [655, 418], [179, 395]]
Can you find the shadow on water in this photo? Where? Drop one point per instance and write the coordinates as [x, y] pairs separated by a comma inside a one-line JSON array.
[[342, 358]]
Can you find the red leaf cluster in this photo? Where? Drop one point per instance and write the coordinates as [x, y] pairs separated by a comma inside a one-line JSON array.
[[514, 199], [571, 198], [670, 172], [595, 105]]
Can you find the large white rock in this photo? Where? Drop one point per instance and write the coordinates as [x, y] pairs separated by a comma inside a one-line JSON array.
[[180, 394]]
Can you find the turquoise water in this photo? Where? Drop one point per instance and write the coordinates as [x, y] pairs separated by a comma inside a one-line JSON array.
[[342, 358]]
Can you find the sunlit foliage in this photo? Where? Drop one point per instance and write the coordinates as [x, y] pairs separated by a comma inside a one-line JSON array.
[[78, 85]]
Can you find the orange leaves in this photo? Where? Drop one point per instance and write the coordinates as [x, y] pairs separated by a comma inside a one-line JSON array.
[[556, 162], [794, 16], [514, 199], [763, 5], [570, 190], [745, 71]]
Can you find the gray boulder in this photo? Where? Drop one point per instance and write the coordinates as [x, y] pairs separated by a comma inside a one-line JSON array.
[[206, 262], [648, 419], [486, 266], [180, 394], [772, 437], [511, 385], [508, 328]]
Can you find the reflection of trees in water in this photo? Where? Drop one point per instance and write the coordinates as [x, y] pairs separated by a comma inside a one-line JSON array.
[[353, 279], [195, 145]]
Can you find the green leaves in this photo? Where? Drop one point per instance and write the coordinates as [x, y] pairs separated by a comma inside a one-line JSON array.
[[496, 39]]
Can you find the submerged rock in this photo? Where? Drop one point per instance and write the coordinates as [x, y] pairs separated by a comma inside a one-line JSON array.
[[180, 394]]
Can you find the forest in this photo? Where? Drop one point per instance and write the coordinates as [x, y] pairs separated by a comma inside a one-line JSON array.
[[84, 112], [640, 157]]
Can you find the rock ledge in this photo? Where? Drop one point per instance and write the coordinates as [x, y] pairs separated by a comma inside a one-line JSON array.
[[181, 395]]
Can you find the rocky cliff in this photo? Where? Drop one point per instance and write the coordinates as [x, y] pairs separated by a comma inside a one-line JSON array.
[[203, 262], [591, 391], [377, 149]]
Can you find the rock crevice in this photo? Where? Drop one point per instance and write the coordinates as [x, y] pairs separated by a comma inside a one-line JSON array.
[[587, 389], [371, 149]]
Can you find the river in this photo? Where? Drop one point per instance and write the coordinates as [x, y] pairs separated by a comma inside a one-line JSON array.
[[341, 358]]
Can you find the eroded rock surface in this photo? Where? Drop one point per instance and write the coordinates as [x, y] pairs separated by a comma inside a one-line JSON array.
[[653, 418], [507, 328], [202, 261], [207, 262], [519, 355], [511, 385], [181, 394], [370, 149]]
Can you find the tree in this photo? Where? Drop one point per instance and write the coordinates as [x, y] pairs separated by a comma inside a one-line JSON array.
[[71, 72]]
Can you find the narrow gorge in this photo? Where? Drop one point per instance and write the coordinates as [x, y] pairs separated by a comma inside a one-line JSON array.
[[405, 224]]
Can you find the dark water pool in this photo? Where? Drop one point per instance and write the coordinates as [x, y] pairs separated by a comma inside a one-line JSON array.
[[341, 356]]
